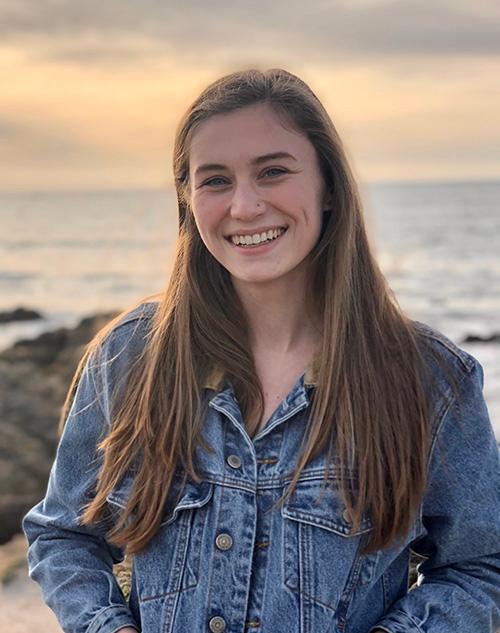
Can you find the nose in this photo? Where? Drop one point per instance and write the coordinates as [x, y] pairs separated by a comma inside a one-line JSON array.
[[246, 204]]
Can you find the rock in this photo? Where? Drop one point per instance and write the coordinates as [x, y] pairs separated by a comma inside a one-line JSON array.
[[19, 314], [34, 378], [492, 338]]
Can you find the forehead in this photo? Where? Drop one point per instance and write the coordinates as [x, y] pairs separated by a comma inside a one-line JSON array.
[[247, 132]]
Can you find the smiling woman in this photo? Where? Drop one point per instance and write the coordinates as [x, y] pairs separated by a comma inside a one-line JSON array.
[[271, 437]]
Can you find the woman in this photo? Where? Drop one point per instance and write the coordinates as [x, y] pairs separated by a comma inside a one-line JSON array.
[[271, 438]]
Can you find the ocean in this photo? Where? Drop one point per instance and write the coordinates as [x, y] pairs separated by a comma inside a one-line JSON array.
[[70, 255]]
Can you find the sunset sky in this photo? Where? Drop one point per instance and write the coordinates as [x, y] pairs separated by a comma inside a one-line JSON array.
[[91, 92]]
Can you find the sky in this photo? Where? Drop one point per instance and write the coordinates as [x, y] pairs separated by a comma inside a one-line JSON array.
[[91, 92]]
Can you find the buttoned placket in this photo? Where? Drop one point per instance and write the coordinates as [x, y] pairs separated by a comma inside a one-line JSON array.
[[244, 519]]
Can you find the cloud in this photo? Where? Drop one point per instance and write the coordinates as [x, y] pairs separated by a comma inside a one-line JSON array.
[[10, 130], [120, 31], [95, 89], [36, 142]]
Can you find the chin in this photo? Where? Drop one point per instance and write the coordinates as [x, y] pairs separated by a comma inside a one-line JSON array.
[[256, 278]]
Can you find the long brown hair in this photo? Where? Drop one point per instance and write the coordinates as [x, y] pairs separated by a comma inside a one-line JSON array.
[[369, 411]]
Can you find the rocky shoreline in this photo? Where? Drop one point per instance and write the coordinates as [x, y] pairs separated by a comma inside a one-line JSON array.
[[19, 314], [34, 379]]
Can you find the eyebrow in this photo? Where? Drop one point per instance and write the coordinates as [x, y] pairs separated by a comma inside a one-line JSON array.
[[255, 161]]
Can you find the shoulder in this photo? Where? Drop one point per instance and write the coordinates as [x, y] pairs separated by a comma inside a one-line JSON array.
[[140, 316], [444, 348], [452, 374], [124, 339]]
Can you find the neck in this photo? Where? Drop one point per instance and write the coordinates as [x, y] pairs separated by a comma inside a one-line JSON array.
[[278, 314]]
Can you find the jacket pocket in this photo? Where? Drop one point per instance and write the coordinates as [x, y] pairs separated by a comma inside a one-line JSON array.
[[321, 557], [170, 563]]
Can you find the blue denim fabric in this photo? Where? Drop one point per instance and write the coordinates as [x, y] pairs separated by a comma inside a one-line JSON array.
[[295, 569]]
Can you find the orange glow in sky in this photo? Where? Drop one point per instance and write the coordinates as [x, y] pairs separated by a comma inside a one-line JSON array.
[[87, 111]]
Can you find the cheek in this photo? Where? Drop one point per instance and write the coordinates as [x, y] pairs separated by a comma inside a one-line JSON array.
[[312, 217], [207, 223], [202, 217]]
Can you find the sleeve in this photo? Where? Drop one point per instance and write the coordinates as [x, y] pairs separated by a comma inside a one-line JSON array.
[[458, 589], [71, 562]]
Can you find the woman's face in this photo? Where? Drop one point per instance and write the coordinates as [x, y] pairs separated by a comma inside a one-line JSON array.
[[256, 193]]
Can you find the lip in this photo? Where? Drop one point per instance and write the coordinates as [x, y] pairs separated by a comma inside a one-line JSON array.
[[251, 232]]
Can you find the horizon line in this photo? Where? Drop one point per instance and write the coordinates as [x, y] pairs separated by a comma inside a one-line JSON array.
[[168, 188]]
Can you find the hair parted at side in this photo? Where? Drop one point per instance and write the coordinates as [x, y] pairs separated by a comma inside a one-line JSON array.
[[369, 411]]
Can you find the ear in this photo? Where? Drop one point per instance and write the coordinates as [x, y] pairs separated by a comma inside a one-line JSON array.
[[327, 202]]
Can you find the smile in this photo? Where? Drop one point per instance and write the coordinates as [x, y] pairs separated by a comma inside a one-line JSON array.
[[249, 241]]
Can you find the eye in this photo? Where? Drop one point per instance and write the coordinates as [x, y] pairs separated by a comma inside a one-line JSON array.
[[279, 171], [211, 182], [217, 181]]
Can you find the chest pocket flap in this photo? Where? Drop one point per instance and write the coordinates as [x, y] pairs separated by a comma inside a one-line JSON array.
[[322, 508], [193, 495]]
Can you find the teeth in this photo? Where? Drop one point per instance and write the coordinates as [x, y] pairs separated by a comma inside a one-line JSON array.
[[247, 240]]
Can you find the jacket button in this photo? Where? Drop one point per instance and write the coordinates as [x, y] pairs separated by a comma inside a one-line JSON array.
[[217, 624], [234, 461], [345, 516], [224, 541]]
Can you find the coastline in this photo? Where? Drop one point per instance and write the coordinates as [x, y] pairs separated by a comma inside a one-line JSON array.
[[35, 375]]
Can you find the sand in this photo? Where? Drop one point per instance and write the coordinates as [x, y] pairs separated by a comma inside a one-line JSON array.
[[22, 608]]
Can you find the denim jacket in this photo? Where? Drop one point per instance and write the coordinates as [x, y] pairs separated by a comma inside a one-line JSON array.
[[223, 561]]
